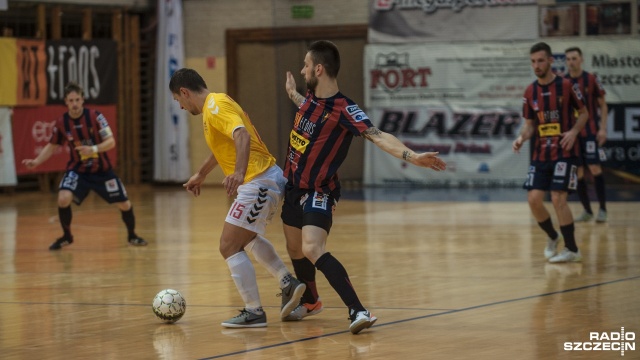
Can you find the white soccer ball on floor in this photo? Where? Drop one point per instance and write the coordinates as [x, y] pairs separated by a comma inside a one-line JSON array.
[[169, 305]]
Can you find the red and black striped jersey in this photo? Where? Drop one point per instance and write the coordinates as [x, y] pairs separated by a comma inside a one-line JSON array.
[[591, 90], [550, 108], [320, 139], [91, 128]]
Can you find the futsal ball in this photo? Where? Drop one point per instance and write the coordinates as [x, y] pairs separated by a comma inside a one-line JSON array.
[[169, 305]]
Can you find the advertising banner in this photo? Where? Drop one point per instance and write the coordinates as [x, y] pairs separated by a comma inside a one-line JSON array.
[[91, 64], [622, 148], [488, 73], [32, 129], [7, 166], [171, 150], [401, 21], [475, 142]]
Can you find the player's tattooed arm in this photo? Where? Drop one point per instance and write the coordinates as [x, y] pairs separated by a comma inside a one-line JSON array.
[[290, 86], [370, 133], [296, 97]]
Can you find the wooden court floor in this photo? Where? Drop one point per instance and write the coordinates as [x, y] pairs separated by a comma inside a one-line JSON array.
[[447, 280]]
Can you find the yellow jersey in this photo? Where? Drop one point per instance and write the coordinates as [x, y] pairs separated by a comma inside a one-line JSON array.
[[221, 116]]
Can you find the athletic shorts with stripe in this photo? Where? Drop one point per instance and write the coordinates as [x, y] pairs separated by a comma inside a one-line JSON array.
[[258, 201]]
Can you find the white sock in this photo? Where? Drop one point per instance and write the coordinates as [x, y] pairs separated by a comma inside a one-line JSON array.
[[244, 275], [267, 256]]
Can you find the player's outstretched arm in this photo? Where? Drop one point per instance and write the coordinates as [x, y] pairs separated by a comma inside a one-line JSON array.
[[392, 145], [569, 137], [293, 93], [106, 145], [194, 183], [525, 134], [44, 155], [242, 142]]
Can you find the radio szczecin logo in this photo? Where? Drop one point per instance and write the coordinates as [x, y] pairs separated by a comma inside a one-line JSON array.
[[605, 341]]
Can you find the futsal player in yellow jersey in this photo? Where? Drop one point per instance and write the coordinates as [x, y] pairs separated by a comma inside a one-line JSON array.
[[249, 170]]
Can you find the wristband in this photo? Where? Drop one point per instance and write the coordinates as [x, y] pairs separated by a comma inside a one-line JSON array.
[[95, 149]]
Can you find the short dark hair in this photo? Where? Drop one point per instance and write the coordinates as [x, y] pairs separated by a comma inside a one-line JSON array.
[[73, 87], [326, 53], [541, 46], [186, 78], [574, 48]]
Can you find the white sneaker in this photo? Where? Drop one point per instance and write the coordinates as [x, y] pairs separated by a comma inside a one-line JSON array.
[[360, 321], [602, 216], [552, 247], [584, 217], [566, 255]]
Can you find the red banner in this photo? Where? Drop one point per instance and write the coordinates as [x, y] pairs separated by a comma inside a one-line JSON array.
[[32, 129]]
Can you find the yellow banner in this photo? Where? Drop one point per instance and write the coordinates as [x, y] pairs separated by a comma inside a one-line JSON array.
[[8, 72], [31, 60]]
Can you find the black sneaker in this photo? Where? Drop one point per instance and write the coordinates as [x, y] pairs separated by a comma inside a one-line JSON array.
[[63, 241], [137, 241]]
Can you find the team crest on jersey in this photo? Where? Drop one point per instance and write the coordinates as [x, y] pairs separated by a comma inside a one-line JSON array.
[[325, 116], [357, 114], [535, 105], [561, 169], [69, 136]]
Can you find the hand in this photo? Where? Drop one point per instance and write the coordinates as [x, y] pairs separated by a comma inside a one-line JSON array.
[[85, 150], [290, 84], [568, 139], [193, 185], [428, 160], [30, 163], [517, 144], [601, 137], [232, 182]]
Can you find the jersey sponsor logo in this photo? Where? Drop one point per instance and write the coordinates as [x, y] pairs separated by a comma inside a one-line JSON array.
[[357, 114], [320, 201], [561, 169], [213, 108], [298, 142], [576, 90], [102, 121], [573, 178], [105, 132], [549, 129], [111, 185]]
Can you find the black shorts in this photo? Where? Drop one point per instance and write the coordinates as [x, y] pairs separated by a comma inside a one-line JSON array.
[[106, 184], [591, 153], [308, 207], [561, 175]]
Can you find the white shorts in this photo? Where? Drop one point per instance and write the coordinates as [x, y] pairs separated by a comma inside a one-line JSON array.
[[258, 201]]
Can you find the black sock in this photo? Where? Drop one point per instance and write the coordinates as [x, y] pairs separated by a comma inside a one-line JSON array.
[[584, 197], [306, 272], [339, 280], [64, 214], [547, 226], [569, 240], [130, 221], [599, 185]]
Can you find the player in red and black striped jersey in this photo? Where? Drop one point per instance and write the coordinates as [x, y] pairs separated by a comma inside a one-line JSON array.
[[323, 128], [593, 136], [89, 137], [549, 103]]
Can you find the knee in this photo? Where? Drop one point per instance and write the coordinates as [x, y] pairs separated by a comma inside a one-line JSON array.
[[124, 206], [228, 248], [64, 199]]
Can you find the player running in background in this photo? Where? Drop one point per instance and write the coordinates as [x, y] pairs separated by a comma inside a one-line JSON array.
[[548, 106], [250, 170], [324, 125], [89, 137], [593, 136]]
